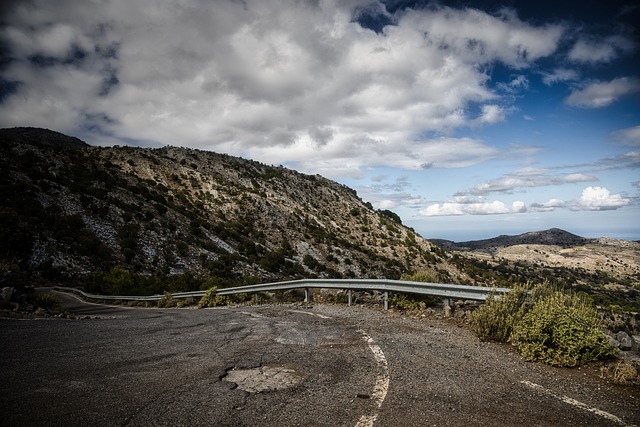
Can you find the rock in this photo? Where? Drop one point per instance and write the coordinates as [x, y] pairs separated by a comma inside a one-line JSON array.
[[7, 294], [624, 340]]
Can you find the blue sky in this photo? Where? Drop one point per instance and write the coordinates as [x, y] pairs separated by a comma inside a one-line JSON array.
[[468, 119]]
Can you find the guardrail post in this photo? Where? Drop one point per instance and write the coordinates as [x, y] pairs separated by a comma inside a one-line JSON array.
[[307, 295], [386, 300], [447, 306], [350, 293]]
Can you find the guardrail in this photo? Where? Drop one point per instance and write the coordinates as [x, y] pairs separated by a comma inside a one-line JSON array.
[[445, 291]]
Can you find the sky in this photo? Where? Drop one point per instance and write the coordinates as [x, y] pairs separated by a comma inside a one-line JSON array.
[[469, 119]]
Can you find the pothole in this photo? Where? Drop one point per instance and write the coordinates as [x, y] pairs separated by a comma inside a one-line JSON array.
[[264, 378]]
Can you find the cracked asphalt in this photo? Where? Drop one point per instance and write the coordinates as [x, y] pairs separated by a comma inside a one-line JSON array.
[[170, 367]]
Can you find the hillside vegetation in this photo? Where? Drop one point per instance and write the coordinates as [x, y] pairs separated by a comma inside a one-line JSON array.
[[125, 219]]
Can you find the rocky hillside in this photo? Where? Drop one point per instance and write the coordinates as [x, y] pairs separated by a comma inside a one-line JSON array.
[[607, 269], [73, 213], [553, 236]]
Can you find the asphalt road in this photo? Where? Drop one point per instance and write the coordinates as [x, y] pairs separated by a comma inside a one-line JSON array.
[[284, 365]]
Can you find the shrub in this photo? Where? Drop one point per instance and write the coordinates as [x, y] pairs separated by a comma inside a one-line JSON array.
[[167, 301], [212, 299], [621, 372], [421, 276], [495, 320], [546, 324], [561, 330], [403, 302], [48, 302]]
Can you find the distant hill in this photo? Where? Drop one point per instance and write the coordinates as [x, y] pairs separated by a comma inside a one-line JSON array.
[[71, 212], [553, 236]]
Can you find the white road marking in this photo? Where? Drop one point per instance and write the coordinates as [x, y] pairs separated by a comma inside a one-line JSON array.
[[575, 403], [322, 316], [382, 381]]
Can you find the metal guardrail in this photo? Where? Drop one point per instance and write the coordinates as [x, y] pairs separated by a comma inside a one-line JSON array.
[[445, 291]]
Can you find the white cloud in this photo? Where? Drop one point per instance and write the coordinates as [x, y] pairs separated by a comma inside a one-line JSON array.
[[629, 136], [491, 114], [385, 204], [549, 206], [601, 94], [482, 37], [472, 208], [559, 75], [527, 178], [598, 51], [599, 199], [279, 81]]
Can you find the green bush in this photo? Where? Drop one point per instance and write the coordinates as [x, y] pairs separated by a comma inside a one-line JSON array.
[[562, 330], [167, 301], [496, 318], [48, 302], [546, 324], [212, 299], [427, 276]]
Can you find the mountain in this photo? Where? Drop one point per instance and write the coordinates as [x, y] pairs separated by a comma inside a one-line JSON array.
[[553, 236], [101, 217]]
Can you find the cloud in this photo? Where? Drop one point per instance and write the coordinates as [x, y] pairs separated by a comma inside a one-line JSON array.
[[601, 94], [388, 195], [592, 199], [527, 178], [548, 206], [629, 136], [599, 51], [475, 208], [629, 160], [559, 75], [491, 114], [599, 199], [281, 81]]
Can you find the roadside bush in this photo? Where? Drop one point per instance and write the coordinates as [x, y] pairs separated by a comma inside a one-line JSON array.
[[212, 299], [48, 302], [562, 330], [167, 301], [405, 302], [621, 372], [422, 276], [496, 318], [546, 324]]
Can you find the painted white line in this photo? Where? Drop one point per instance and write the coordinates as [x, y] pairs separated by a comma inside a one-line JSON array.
[[382, 381], [322, 316], [575, 403]]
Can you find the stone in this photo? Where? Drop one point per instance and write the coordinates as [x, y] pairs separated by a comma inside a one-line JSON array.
[[624, 340], [7, 293]]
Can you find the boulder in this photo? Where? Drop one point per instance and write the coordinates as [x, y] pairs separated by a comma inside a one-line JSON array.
[[6, 294], [624, 340]]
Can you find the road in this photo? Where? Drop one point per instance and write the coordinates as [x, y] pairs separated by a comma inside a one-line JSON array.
[[287, 365]]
